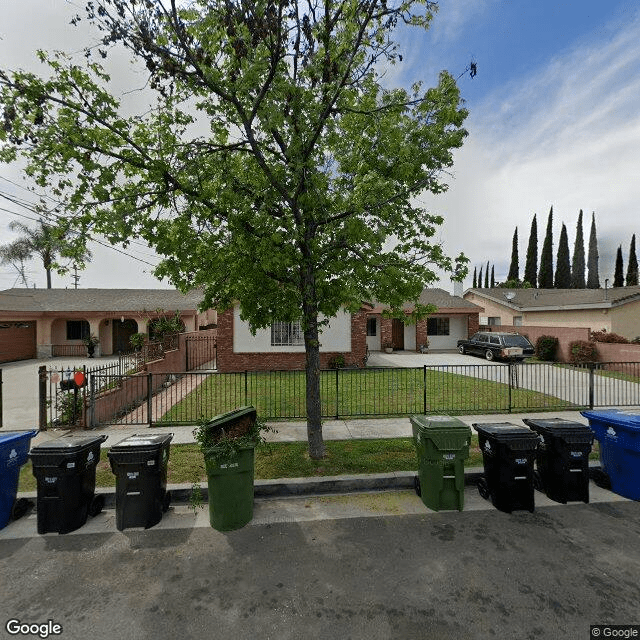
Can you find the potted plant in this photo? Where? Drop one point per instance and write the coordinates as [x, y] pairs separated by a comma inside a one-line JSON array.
[[91, 342], [424, 347], [227, 443], [388, 346]]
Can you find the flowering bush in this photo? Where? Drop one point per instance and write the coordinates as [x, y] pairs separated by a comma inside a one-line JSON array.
[[582, 351]]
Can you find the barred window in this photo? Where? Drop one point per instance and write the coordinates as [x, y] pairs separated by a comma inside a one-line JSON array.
[[286, 334], [438, 326], [77, 329]]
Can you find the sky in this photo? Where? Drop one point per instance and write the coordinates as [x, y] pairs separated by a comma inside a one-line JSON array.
[[554, 120]]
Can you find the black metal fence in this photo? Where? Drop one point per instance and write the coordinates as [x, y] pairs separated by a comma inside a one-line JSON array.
[[116, 396]]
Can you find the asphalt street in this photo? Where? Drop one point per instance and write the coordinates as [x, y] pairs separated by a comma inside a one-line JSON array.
[[359, 566]]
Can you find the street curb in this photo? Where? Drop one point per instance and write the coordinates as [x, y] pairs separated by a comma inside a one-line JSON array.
[[292, 487]]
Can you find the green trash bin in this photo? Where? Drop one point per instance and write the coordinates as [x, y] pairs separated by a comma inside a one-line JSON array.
[[442, 445], [230, 477]]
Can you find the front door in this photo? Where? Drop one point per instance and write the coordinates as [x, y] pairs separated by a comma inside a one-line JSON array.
[[122, 331], [397, 333]]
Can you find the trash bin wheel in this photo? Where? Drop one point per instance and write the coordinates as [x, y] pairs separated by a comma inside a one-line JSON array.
[[96, 506], [20, 508], [601, 479], [166, 501], [538, 485], [483, 489], [416, 485]]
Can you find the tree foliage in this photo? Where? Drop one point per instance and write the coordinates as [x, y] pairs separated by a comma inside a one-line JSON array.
[[531, 266], [593, 276], [514, 268], [578, 265], [545, 275], [618, 275], [562, 279], [632, 266], [273, 167]]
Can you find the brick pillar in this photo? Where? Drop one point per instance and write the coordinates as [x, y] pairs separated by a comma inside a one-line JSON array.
[[385, 330], [473, 324], [224, 347], [421, 333]]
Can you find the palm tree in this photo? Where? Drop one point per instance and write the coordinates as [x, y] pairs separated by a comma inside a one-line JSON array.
[[16, 253]]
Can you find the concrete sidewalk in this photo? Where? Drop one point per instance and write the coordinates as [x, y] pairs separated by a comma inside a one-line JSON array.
[[296, 431]]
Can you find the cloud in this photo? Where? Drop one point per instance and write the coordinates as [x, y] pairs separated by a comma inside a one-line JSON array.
[[567, 135]]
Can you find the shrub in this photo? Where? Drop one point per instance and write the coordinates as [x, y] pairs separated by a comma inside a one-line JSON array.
[[636, 340], [582, 351], [603, 336], [337, 362], [547, 348]]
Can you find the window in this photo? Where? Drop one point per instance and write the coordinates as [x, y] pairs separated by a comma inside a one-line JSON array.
[[77, 329], [517, 321], [437, 326], [492, 322], [286, 334], [372, 327]]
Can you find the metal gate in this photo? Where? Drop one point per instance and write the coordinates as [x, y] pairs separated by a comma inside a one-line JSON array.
[[200, 353]]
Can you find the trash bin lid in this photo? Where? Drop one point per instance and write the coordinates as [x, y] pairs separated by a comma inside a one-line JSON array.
[[140, 442], [438, 423], [504, 431], [557, 426], [7, 437], [68, 444], [230, 416], [629, 418]]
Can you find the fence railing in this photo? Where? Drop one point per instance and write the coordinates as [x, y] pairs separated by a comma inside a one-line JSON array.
[[113, 395], [69, 350]]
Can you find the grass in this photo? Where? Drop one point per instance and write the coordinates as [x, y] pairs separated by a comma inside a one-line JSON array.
[[357, 392], [289, 460]]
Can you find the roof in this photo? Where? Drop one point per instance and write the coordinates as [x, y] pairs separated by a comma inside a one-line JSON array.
[[441, 299], [561, 299], [102, 300]]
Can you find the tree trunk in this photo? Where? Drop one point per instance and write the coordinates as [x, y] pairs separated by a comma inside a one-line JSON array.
[[48, 278]]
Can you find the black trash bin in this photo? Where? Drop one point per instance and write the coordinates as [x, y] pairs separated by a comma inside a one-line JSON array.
[[508, 452], [65, 470], [140, 465], [562, 460]]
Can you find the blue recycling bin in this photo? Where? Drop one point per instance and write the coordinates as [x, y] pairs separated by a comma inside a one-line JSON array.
[[14, 452], [618, 432]]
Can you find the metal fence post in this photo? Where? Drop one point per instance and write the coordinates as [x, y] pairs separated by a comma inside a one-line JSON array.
[[0, 398], [510, 365], [246, 401], [92, 401], [149, 392], [42, 397], [337, 392], [424, 388], [592, 368]]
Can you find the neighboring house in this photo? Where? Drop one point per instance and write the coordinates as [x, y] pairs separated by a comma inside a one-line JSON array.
[[455, 319], [281, 346], [616, 310], [44, 322]]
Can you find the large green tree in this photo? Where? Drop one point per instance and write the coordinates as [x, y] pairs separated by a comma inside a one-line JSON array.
[[273, 168], [593, 276], [577, 264], [514, 268], [618, 275], [545, 275], [632, 266], [531, 265], [562, 278]]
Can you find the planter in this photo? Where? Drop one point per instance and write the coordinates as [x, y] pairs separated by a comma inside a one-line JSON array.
[[388, 349]]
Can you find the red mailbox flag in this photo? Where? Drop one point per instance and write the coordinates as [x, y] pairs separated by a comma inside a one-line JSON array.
[[78, 378]]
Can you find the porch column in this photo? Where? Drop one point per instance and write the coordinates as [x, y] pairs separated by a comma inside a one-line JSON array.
[[44, 342]]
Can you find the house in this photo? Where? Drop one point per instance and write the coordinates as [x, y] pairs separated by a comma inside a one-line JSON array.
[[455, 319], [48, 322], [616, 310], [281, 346]]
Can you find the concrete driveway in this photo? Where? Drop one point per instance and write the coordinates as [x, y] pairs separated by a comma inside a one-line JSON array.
[[20, 387]]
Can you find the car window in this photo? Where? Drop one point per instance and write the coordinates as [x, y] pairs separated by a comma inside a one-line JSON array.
[[494, 340], [516, 341], [477, 337]]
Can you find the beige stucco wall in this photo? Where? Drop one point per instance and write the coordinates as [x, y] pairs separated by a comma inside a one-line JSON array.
[[626, 320], [493, 310]]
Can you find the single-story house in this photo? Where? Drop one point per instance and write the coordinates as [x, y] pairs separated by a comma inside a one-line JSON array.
[[46, 322], [617, 310], [281, 346]]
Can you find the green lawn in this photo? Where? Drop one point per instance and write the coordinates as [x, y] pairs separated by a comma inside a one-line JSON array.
[[289, 460], [356, 392]]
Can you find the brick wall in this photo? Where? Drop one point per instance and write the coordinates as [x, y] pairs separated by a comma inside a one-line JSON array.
[[608, 352], [565, 335], [228, 361]]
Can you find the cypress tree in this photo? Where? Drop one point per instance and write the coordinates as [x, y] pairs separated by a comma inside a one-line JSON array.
[[514, 268], [531, 266], [545, 276], [577, 266], [475, 278], [493, 277], [480, 279], [562, 278], [632, 268], [593, 277], [486, 277], [618, 278]]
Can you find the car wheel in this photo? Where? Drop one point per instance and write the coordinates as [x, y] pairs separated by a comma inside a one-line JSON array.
[[461, 349], [488, 354]]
